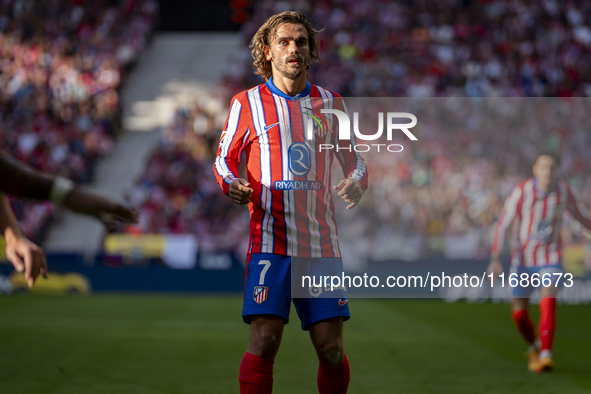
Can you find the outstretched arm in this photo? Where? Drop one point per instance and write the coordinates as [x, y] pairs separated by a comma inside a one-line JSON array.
[[109, 212], [21, 181]]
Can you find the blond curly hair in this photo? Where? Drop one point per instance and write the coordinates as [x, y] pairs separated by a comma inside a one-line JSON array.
[[267, 32]]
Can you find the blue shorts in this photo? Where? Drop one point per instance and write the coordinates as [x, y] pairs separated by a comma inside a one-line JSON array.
[[267, 291], [520, 291]]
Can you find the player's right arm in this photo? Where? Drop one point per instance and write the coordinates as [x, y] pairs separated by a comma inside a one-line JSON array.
[[233, 141], [579, 214], [508, 214]]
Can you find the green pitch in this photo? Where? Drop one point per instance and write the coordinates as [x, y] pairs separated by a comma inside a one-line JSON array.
[[193, 344]]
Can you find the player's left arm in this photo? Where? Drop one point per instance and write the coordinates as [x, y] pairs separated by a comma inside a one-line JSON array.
[[579, 214], [351, 188], [24, 255]]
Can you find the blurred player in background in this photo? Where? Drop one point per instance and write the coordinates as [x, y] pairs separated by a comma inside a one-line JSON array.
[[21, 181], [286, 224], [537, 204]]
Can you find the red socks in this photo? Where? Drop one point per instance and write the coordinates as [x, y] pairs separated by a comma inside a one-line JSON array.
[[546, 326], [547, 322], [524, 325], [256, 375], [334, 380]]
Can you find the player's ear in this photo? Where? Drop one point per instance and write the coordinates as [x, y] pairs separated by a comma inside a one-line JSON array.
[[267, 53]]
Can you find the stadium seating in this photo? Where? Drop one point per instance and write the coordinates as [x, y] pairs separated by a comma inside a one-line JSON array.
[[62, 64]]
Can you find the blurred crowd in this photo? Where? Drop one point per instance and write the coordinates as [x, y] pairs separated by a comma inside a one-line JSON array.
[[62, 63], [441, 48]]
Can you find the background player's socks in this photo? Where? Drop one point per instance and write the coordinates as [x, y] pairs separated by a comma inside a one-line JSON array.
[[334, 380], [524, 325], [547, 322], [256, 375]]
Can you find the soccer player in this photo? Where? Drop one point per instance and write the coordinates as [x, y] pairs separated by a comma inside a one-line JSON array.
[[289, 197], [537, 205], [21, 181]]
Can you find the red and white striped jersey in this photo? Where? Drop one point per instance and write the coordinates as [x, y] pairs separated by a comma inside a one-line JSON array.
[[291, 208], [539, 221]]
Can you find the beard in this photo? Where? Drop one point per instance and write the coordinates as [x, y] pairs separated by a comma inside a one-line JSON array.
[[291, 71]]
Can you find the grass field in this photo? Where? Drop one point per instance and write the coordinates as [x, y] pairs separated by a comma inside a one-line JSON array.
[[191, 344]]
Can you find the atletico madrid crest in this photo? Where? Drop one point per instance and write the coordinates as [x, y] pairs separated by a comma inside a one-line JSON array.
[[260, 294], [318, 123]]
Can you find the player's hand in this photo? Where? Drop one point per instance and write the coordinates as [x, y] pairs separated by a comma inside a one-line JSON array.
[[240, 191], [107, 211], [350, 190], [25, 256], [495, 267]]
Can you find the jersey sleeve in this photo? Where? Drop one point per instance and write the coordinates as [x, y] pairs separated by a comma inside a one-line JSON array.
[[507, 216], [351, 161], [578, 213], [233, 141]]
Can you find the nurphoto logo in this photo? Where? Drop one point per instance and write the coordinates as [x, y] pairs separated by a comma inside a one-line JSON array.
[[317, 124]]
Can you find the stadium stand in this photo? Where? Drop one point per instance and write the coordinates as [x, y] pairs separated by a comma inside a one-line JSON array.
[[62, 64]]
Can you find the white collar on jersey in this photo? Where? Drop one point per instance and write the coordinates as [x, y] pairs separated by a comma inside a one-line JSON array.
[[275, 90]]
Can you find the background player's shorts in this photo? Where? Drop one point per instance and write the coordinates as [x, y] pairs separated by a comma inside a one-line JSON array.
[[267, 291], [521, 291]]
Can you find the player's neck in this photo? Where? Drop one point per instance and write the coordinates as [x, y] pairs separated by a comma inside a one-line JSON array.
[[545, 188], [291, 87]]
